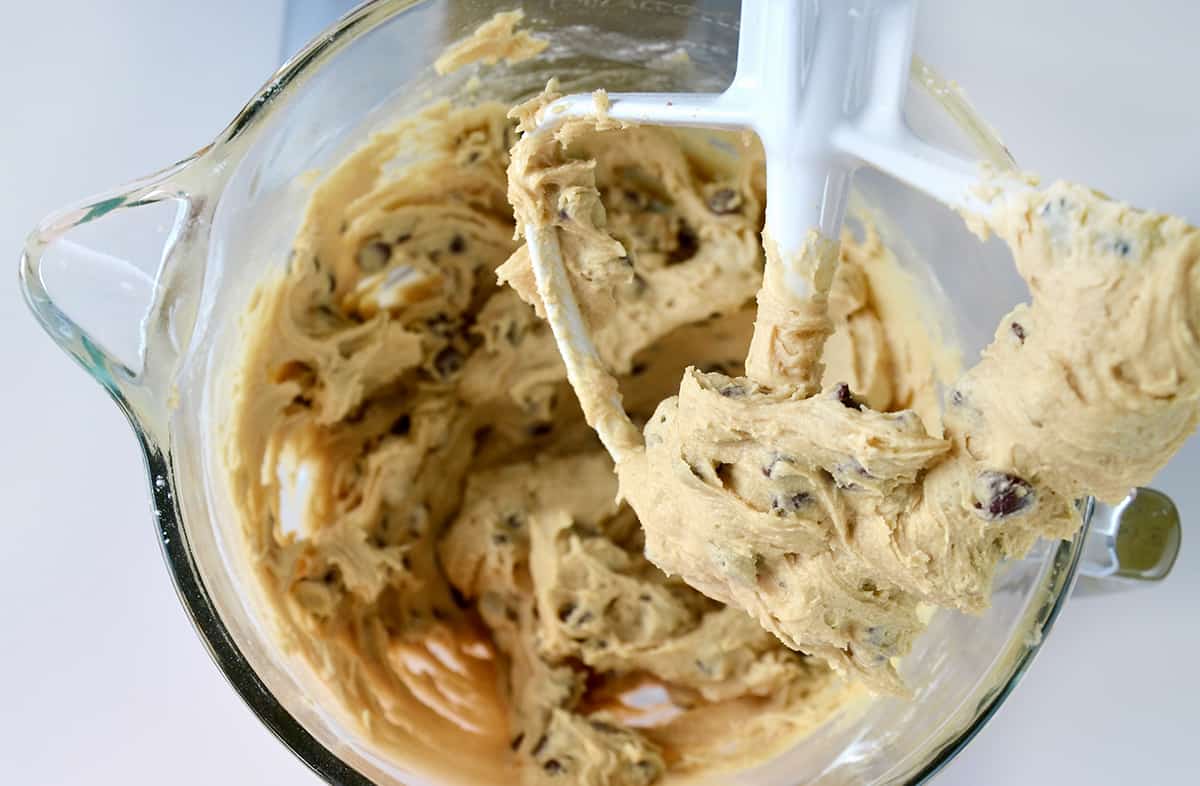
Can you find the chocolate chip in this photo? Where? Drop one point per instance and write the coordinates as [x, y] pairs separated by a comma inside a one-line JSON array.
[[789, 503], [999, 495], [1018, 331], [686, 245], [539, 746], [724, 201], [402, 425], [1053, 205], [843, 394], [844, 471], [638, 369], [404, 238], [541, 429], [457, 244], [552, 767], [516, 741], [563, 215], [513, 521], [499, 539], [733, 390], [565, 611], [1121, 247], [448, 362]]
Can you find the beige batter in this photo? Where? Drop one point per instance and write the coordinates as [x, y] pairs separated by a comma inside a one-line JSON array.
[[441, 536]]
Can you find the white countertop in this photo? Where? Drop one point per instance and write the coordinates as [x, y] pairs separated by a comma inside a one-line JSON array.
[[103, 680]]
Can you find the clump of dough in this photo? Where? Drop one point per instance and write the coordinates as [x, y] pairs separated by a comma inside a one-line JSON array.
[[830, 521]]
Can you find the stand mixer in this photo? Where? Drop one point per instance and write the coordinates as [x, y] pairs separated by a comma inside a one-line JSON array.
[[834, 106]]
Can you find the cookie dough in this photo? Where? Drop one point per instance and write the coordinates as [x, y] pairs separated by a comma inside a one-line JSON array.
[[832, 520], [495, 40], [437, 530]]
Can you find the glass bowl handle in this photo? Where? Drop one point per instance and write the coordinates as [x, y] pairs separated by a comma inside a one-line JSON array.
[[1130, 543], [114, 279]]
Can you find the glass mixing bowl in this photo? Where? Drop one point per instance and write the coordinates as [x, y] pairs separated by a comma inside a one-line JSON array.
[[144, 286]]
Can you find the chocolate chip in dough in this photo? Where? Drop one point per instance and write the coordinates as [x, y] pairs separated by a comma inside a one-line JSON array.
[[686, 245], [999, 495], [724, 201], [788, 503], [733, 390], [448, 362], [1018, 330], [843, 394]]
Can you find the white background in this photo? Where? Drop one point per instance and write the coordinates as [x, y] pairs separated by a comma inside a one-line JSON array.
[[102, 680]]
